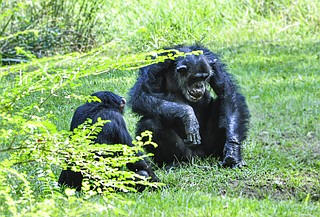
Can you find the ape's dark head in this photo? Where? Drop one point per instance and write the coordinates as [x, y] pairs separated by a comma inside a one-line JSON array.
[[111, 100], [191, 73]]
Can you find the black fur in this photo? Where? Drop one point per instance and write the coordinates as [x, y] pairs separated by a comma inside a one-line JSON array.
[[114, 132], [175, 104]]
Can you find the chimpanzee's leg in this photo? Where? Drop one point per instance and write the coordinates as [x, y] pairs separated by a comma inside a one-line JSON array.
[[213, 136], [171, 148]]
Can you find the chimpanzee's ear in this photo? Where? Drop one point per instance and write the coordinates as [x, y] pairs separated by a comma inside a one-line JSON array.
[[212, 61], [123, 102]]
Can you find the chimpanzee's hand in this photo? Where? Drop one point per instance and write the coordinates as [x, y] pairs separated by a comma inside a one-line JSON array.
[[232, 156], [153, 176], [192, 129], [148, 174]]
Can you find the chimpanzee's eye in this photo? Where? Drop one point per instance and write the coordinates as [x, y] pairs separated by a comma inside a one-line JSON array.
[[181, 69]]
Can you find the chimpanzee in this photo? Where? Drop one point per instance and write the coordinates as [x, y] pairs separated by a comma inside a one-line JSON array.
[[114, 132], [175, 103]]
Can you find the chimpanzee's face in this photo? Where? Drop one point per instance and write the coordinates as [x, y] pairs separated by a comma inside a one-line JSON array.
[[192, 73]]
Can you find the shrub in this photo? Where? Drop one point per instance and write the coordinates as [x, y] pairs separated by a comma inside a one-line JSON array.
[[33, 149]]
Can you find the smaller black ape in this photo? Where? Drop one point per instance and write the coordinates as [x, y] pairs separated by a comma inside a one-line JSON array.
[[114, 132]]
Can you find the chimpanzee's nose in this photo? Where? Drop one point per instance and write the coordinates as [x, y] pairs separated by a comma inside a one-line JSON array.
[[199, 85]]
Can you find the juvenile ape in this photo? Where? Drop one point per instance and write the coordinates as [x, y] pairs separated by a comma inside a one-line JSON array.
[[175, 104], [114, 132]]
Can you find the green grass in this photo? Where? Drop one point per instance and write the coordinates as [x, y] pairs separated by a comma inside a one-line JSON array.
[[272, 49]]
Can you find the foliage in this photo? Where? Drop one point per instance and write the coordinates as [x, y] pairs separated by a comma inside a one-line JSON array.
[[32, 148], [23, 199]]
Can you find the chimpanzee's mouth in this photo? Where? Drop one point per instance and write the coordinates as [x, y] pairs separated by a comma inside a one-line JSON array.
[[196, 91], [194, 94]]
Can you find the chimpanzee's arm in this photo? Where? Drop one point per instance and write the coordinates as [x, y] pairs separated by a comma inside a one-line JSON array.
[[234, 114], [225, 89], [146, 103]]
